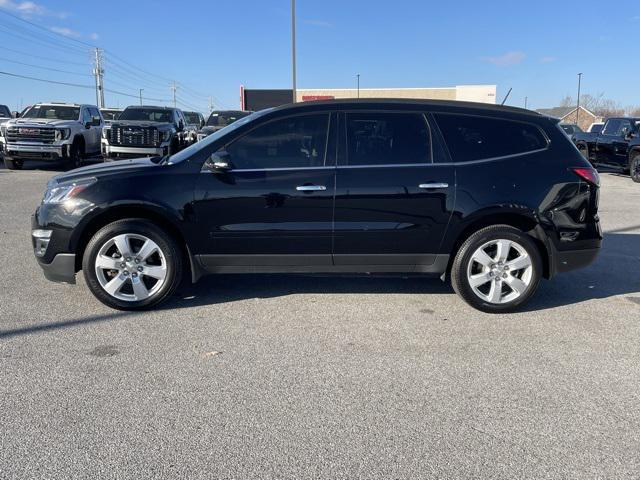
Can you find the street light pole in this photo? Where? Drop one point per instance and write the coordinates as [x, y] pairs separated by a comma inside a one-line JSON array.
[[141, 90], [293, 48], [358, 75], [525, 102], [578, 104]]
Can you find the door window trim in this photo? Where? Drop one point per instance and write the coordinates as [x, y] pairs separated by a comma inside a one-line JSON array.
[[421, 113], [280, 169]]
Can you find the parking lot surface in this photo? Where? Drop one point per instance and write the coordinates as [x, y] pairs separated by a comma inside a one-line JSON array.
[[284, 376]]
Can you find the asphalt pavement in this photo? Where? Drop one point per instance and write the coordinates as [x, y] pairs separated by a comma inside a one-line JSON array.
[[282, 376]]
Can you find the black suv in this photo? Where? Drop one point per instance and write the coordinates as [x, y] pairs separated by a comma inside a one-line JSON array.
[[493, 197]]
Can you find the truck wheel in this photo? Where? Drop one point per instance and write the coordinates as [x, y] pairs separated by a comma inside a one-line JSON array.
[[634, 167], [132, 264], [497, 269], [75, 156], [13, 164]]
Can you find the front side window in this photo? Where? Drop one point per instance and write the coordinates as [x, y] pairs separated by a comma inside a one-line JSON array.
[[625, 126], [612, 127], [477, 138], [86, 116], [293, 142], [387, 138]]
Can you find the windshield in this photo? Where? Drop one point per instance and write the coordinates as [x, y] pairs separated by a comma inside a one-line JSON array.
[[222, 119], [192, 118], [147, 115], [4, 111], [203, 144], [53, 112], [110, 114]]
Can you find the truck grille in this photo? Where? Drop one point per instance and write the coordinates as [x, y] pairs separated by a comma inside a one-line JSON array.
[[30, 134], [134, 136]]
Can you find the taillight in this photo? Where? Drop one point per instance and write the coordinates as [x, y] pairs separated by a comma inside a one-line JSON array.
[[588, 174]]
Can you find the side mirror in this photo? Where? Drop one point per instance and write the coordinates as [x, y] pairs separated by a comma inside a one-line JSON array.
[[15, 114], [88, 124], [217, 163]]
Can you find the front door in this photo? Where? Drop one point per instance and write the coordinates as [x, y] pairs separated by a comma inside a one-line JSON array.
[[393, 203], [274, 206]]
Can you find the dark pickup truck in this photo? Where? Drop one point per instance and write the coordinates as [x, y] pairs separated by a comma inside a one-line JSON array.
[[617, 144]]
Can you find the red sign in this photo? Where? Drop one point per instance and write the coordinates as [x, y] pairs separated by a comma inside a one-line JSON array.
[[310, 98]]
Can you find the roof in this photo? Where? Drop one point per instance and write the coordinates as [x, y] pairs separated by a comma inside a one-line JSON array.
[[561, 112], [408, 101]]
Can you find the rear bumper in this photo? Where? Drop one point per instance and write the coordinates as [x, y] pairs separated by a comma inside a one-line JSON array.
[[568, 260], [61, 269]]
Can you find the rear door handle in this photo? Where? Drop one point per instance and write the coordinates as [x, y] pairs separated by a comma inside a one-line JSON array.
[[311, 188], [433, 185]]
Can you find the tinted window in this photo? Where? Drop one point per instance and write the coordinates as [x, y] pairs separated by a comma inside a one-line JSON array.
[[298, 141], [147, 114], [4, 111], [476, 138], [52, 112], [596, 128], [222, 119], [86, 116], [387, 139], [192, 118], [611, 127]]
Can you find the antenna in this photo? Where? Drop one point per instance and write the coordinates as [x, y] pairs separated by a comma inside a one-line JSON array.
[[507, 95]]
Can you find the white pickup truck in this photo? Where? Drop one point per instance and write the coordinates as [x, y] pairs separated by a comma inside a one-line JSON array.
[[52, 131]]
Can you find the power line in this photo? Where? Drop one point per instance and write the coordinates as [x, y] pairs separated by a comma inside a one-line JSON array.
[[44, 68], [49, 32], [47, 43], [9, 74], [49, 59]]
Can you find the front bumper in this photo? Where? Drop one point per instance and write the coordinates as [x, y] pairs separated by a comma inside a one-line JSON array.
[[36, 151], [61, 269], [120, 151]]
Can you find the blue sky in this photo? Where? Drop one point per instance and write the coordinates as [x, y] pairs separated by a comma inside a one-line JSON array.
[[212, 47]]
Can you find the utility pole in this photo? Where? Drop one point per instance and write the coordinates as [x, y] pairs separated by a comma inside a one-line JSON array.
[[358, 75], [293, 48], [174, 88], [525, 102], [578, 104], [210, 104], [98, 72], [141, 90]]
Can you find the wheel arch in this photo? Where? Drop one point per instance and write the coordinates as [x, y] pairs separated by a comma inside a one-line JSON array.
[[526, 222], [138, 211]]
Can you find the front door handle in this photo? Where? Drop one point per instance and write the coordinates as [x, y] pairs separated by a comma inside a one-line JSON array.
[[311, 188], [433, 185]]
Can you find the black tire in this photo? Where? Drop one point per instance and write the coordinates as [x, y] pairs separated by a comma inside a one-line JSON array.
[[463, 258], [134, 226], [634, 167], [13, 164], [75, 156]]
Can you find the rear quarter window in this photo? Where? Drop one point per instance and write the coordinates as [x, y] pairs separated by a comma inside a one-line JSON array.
[[471, 137]]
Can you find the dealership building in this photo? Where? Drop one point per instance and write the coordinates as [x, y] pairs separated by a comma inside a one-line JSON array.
[[258, 99]]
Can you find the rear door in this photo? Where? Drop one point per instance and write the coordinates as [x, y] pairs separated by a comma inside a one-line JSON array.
[[393, 203]]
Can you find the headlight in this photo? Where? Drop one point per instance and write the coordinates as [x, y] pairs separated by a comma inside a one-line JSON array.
[[105, 132], [62, 133], [61, 193], [3, 130]]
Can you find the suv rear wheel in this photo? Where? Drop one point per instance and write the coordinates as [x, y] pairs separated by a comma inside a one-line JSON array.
[[497, 269], [75, 156], [634, 167], [132, 265]]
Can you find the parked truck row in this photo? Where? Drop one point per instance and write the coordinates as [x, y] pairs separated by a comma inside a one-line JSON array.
[[72, 133]]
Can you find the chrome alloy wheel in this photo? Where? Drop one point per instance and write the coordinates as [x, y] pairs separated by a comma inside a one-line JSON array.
[[131, 267], [500, 271]]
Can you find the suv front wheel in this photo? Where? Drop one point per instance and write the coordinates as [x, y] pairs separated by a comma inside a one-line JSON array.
[[132, 264], [497, 269]]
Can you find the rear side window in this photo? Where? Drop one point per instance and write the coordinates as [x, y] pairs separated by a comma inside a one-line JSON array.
[[477, 138], [386, 138]]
